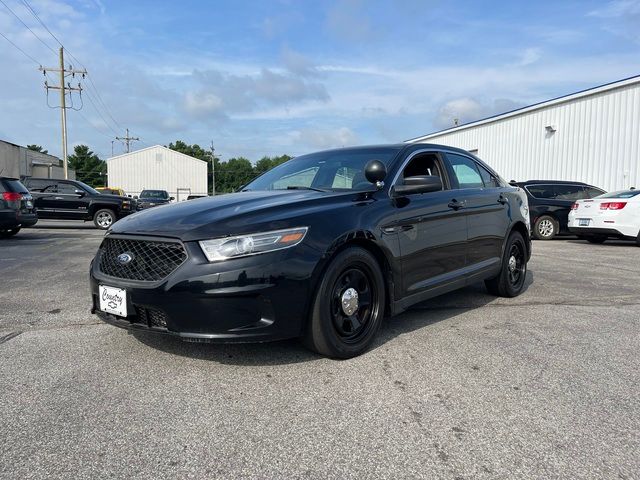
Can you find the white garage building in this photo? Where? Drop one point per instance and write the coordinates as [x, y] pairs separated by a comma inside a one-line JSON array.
[[158, 168], [592, 136]]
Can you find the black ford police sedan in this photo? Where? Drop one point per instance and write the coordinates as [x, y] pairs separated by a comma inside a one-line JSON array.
[[321, 247]]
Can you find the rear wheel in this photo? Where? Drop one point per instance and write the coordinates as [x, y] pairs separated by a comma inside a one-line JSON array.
[[545, 228], [596, 238], [104, 218], [510, 280], [8, 232], [348, 307]]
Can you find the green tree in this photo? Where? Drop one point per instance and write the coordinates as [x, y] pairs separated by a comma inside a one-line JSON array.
[[88, 166], [37, 148], [196, 151], [233, 173], [267, 163]]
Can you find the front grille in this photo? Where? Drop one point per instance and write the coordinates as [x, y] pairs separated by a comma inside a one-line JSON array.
[[151, 317], [150, 260]]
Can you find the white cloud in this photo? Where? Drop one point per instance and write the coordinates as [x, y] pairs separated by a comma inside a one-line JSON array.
[[315, 138], [529, 56]]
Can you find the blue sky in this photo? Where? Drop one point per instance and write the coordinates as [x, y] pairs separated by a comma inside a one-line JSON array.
[[265, 78]]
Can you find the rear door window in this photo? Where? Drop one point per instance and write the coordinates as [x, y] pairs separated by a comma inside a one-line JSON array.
[[569, 192], [541, 191], [42, 185], [465, 171]]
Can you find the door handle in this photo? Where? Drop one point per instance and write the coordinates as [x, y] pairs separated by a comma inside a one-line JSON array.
[[503, 200], [456, 205], [58, 198]]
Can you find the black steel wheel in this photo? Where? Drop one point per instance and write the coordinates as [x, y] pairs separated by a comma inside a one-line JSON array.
[[348, 307], [513, 272]]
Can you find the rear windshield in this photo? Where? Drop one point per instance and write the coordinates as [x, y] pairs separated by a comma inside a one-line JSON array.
[[621, 194], [154, 194], [11, 185]]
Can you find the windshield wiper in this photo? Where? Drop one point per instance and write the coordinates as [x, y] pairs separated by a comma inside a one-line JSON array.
[[301, 187]]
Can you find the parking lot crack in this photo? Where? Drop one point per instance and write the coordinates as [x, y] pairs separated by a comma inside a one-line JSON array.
[[9, 336]]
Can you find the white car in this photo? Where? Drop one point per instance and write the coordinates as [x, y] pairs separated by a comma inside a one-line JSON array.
[[614, 214]]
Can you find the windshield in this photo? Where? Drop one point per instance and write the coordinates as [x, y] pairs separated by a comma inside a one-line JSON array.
[[154, 194], [620, 194], [89, 189], [332, 170]]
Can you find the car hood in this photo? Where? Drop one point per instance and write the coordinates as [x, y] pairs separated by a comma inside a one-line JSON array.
[[108, 196], [234, 213]]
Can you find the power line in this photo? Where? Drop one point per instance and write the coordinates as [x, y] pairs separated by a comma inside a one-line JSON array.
[[19, 49], [97, 93], [28, 28]]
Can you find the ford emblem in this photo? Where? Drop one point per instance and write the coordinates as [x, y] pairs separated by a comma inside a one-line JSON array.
[[125, 258]]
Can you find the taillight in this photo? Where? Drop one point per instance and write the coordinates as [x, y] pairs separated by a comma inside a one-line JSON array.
[[612, 205], [574, 206], [12, 196]]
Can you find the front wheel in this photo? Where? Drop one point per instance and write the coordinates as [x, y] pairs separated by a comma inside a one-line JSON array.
[[104, 218], [510, 280], [9, 232], [348, 307]]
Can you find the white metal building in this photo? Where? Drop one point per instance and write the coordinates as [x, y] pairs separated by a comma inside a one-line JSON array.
[[592, 136], [158, 168]]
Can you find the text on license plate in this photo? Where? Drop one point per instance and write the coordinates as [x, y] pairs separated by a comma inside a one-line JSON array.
[[113, 300], [583, 222]]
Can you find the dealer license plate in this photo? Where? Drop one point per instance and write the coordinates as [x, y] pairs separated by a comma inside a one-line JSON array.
[[113, 300], [583, 222]]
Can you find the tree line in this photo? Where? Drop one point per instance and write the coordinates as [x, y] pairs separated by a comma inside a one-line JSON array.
[[228, 175]]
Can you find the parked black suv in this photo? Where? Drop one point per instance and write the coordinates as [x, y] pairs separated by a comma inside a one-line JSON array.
[[153, 198], [16, 207], [74, 200], [550, 202], [322, 246]]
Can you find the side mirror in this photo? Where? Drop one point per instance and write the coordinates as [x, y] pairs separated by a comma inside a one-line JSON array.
[[135, 197], [375, 172], [418, 184], [171, 198], [82, 193]]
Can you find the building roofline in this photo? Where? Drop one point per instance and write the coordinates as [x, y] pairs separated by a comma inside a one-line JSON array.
[[155, 146], [536, 106]]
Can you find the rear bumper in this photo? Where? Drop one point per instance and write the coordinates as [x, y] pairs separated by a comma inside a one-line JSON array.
[[609, 232], [14, 219]]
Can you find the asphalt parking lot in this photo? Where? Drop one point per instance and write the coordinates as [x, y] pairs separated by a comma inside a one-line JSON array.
[[546, 385]]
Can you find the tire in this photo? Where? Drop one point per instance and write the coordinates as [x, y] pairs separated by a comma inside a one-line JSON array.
[[334, 329], [596, 238], [513, 271], [104, 218], [9, 232], [545, 228]]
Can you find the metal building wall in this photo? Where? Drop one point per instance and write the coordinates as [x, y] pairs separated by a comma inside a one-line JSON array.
[[597, 140], [158, 168]]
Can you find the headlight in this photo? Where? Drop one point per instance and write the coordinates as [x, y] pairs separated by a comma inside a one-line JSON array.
[[241, 246]]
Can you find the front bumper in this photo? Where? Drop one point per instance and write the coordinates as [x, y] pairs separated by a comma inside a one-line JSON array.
[[253, 299]]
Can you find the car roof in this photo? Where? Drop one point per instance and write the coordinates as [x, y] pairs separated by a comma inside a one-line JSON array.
[[553, 182]]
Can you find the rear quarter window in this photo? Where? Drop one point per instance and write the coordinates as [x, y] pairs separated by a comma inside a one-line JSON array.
[[7, 185]]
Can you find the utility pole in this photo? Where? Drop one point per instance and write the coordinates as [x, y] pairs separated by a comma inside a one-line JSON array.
[[127, 139], [213, 170], [63, 106]]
